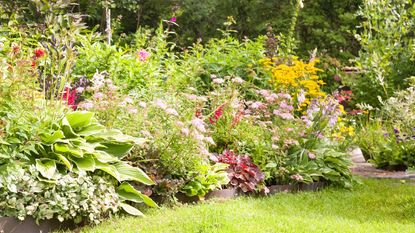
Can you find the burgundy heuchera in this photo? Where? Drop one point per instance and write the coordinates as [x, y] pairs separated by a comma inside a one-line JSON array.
[[242, 172]]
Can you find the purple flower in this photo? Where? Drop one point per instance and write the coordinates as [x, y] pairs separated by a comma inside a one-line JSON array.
[[143, 55]]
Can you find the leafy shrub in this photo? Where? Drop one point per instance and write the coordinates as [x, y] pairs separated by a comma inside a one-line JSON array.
[[243, 174], [206, 178], [73, 196], [386, 39]]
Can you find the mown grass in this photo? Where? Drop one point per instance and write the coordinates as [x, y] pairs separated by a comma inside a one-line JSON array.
[[375, 206]]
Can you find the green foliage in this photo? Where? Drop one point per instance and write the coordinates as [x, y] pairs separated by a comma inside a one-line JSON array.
[[72, 196], [386, 58], [206, 178]]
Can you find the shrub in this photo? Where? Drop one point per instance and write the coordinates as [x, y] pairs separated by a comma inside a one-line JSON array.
[[243, 174]]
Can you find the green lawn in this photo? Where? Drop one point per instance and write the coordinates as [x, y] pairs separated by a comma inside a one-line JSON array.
[[376, 206]]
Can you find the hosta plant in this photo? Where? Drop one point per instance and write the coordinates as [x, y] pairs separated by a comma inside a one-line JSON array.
[[207, 178]]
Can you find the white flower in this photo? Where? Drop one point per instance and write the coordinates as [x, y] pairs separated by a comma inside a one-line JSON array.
[[142, 104], [128, 100], [237, 80], [218, 81]]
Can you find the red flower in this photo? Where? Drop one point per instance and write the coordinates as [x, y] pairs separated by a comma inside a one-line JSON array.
[[39, 53], [70, 97], [217, 114]]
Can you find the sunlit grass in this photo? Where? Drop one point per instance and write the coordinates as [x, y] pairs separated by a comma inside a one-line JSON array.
[[375, 206]]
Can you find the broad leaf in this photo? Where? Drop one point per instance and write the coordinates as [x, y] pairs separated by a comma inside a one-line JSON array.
[[51, 138], [131, 210], [79, 119], [87, 163], [110, 169], [116, 149], [128, 172], [46, 167], [64, 160], [91, 130], [129, 193], [68, 149]]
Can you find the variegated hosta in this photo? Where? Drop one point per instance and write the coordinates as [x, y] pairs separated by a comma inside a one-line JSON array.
[[79, 143]]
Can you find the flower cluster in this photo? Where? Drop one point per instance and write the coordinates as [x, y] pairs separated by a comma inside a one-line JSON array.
[[295, 76]]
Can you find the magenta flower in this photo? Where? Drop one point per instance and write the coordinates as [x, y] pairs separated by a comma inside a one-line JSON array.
[[143, 55], [173, 19]]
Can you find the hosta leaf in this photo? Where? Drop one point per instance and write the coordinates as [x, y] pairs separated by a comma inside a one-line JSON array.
[[67, 129], [116, 149], [129, 193], [46, 167], [91, 130], [131, 210], [65, 161], [87, 163], [51, 138], [79, 119], [128, 172], [104, 157], [110, 169], [66, 148]]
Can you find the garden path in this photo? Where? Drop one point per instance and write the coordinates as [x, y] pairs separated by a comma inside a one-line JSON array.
[[365, 169]]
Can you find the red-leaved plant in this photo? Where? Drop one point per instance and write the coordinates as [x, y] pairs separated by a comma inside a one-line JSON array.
[[243, 174]]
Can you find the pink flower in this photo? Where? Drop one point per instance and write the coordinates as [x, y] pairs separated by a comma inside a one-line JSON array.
[[199, 125], [132, 110], [128, 100], [311, 155], [86, 105], [256, 105], [160, 103], [210, 140], [80, 90], [143, 55], [172, 111], [297, 177], [185, 131], [98, 95], [237, 80], [173, 19]]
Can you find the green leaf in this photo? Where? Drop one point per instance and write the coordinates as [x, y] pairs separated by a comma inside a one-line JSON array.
[[87, 163], [131, 210], [46, 167], [116, 149], [79, 119], [67, 129], [104, 157], [129, 193], [110, 169], [65, 161], [51, 138], [67, 148], [128, 172], [91, 130]]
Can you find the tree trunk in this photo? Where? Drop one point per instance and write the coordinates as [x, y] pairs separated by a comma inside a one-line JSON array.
[[108, 24]]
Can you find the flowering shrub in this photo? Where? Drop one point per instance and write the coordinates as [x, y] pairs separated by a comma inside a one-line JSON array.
[[296, 78], [243, 174]]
